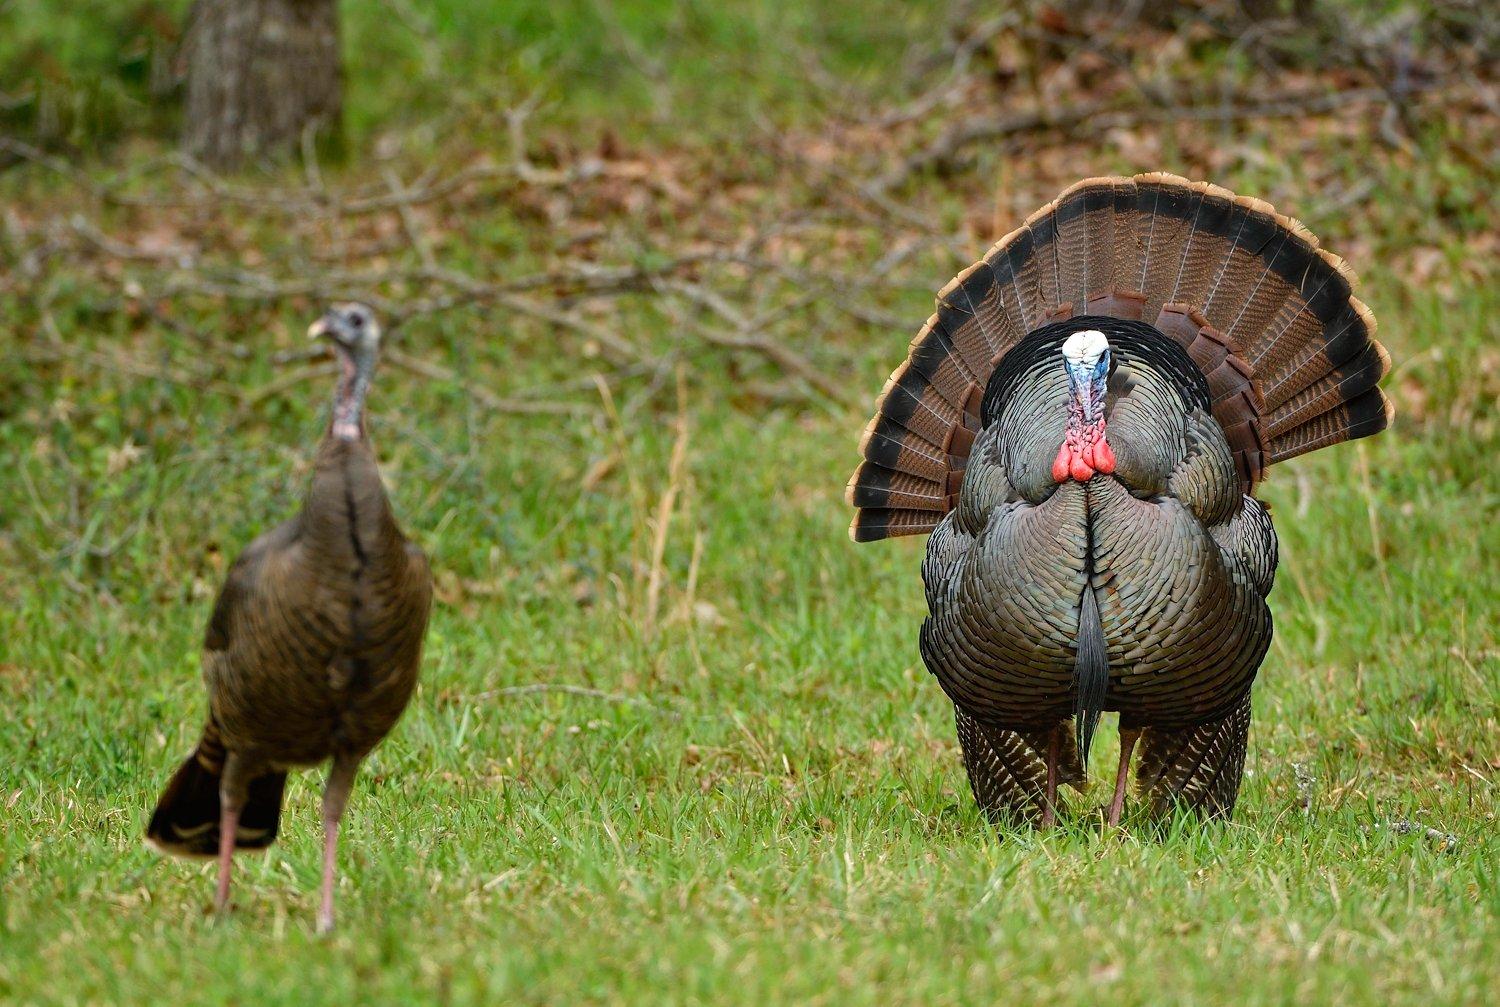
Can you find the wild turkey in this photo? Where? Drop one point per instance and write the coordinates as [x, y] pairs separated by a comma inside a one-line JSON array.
[[313, 646], [1080, 426]]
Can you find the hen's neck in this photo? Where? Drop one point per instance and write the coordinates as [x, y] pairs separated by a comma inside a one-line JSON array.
[[357, 367]]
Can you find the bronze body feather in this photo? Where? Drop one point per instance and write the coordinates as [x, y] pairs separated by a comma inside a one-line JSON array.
[[313, 647]]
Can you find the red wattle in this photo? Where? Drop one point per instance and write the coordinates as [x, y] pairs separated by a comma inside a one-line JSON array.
[[1104, 457], [1060, 464], [1079, 469]]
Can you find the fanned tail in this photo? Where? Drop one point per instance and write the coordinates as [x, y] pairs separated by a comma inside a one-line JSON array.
[[1268, 316]]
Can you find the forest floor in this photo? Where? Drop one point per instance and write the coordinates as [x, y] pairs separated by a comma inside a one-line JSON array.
[[674, 742]]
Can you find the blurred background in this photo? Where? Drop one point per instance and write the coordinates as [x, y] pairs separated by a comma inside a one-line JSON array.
[[645, 267]]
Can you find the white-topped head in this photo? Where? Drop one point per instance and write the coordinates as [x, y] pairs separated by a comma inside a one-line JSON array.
[[1083, 349], [1085, 451]]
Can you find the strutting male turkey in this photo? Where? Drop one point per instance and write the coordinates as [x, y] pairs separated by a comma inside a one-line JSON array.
[[1080, 426], [313, 646]]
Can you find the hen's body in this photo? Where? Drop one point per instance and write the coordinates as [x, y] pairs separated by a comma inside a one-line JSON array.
[[1080, 426], [313, 647], [331, 607]]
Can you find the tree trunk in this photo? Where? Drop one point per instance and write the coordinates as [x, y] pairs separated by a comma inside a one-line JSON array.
[[260, 74]]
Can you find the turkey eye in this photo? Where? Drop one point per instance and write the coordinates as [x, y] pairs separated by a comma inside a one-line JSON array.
[[358, 321]]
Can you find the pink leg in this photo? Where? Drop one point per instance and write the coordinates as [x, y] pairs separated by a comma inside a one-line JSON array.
[[335, 797], [330, 875], [1127, 745], [229, 823]]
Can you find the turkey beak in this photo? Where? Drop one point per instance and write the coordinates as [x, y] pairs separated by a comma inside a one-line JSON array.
[[322, 327]]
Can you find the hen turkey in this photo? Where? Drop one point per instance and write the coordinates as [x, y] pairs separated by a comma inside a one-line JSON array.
[[1080, 426], [313, 646]]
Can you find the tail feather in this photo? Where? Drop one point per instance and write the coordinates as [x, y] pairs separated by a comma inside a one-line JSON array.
[[876, 486], [1129, 251], [1269, 316], [1343, 384], [1096, 212], [186, 820], [1167, 232], [873, 524], [1014, 260], [1071, 252], [1367, 414], [961, 308], [1042, 226], [906, 401], [1341, 340]]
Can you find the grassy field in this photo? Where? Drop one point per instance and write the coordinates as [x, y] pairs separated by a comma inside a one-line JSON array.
[[747, 789]]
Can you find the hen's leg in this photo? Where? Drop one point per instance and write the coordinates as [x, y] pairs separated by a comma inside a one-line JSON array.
[[1128, 738], [335, 799], [1196, 767], [232, 790]]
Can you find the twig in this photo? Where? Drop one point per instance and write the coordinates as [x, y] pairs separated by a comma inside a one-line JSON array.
[[409, 222], [276, 386], [1447, 841], [483, 396], [1306, 786], [570, 690], [664, 508], [747, 337]]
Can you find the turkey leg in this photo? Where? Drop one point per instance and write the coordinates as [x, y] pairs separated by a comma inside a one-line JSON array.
[[335, 798], [232, 792], [1049, 802], [1128, 737]]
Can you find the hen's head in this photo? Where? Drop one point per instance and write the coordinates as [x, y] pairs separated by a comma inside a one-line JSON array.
[[351, 326]]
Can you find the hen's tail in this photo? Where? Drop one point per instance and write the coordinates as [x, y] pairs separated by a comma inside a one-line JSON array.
[[186, 820], [1267, 315]]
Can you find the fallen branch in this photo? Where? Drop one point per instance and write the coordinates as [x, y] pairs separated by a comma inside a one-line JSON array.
[[747, 336], [570, 690], [483, 396]]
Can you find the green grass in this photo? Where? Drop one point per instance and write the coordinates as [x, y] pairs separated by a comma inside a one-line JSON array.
[[765, 805]]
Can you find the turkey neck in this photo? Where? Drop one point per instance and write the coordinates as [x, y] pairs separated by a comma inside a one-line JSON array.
[[357, 368], [347, 518]]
